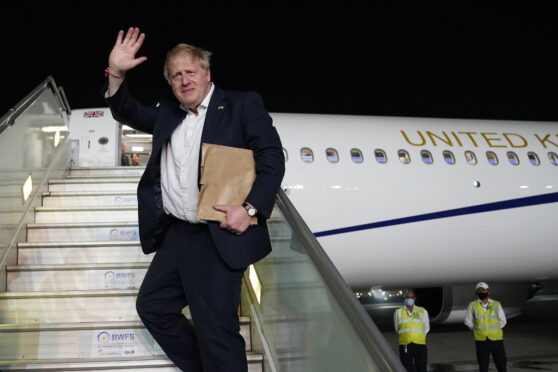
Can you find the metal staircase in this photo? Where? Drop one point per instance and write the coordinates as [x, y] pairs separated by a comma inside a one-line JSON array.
[[70, 300]]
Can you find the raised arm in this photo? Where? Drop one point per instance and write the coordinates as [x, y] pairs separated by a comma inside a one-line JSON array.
[[124, 107], [122, 58]]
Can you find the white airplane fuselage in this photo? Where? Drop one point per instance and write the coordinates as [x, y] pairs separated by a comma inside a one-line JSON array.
[[426, 224]]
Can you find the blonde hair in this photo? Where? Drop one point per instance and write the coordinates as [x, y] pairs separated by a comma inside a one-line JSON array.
[[198, 54]]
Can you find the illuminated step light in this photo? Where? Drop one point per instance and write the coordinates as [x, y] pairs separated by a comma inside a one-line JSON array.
[[138, 135], [27, 188], [255, 282], [54, 129], [56, 138]]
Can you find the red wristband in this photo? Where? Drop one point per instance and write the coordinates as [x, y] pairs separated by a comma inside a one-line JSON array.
[[109, 72]]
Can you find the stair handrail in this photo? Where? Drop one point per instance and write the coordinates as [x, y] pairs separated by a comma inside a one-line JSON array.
[[367, 331], [8, 119]]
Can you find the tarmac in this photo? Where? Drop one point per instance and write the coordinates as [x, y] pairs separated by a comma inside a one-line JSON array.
[[531, 340]]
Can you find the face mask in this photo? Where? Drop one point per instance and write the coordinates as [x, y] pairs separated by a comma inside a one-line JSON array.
[[409, 301], [482, 296]]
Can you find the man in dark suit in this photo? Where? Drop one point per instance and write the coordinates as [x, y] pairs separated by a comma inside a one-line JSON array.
[[199, 264]]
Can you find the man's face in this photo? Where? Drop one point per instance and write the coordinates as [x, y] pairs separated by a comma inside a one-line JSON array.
[[190, 82], [135, 159]]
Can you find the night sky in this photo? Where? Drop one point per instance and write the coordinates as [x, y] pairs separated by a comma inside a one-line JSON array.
[[373, 60]]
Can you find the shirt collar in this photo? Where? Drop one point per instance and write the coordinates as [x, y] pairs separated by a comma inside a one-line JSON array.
[[205, 103]]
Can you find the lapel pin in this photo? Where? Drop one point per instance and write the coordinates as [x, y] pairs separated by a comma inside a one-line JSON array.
[[221, 108]]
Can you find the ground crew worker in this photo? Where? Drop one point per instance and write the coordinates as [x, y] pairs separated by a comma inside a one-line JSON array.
[[412, 324], [486, 318]]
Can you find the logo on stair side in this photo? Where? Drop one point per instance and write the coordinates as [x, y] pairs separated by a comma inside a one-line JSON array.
[[103, 337], [117, 343], [122, 279], [124, 234], [125, 200], [109, 275], [122, 337]]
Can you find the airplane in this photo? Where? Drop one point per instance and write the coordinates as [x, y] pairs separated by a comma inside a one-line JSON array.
[[426, 203]]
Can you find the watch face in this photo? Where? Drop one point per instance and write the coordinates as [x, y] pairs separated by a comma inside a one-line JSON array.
[[251, 212]]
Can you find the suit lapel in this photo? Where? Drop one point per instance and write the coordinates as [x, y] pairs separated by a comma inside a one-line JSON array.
[[173, 118], [212, 124], [215, 111]]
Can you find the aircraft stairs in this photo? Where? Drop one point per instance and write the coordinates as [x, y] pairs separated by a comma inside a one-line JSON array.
[[70, 299], [71, 265]]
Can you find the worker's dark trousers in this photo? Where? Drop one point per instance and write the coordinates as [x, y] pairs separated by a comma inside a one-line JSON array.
[[414, 357], [485, 348]]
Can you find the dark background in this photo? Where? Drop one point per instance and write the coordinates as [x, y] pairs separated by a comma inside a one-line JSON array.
[[338, 59]]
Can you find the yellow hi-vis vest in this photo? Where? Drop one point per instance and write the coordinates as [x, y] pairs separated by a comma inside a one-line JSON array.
[[411, 328], [486, 321]]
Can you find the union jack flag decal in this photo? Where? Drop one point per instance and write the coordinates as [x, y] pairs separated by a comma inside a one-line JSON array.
[[93, 114]]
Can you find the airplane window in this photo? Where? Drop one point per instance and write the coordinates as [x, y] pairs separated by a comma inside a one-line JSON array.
[[285, 154], [471, 157], [448, 157], [426, 157], [513, 158], [307, 155], [404, 156], [331, 155], [492, 158], [553, 158], [381, 156], [533, 158], [356, 155]]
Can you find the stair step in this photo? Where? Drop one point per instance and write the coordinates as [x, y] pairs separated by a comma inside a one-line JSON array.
[[12, 215], [111, 231], [103, 177], [99, 252], [97, 184], [86, 214], [80, 253], [82, 232], [75, 277], [68, 306], [106, 198], [11, 201], [99, 276], [84, 340], [131, 364], [12, 186], [107, 171]]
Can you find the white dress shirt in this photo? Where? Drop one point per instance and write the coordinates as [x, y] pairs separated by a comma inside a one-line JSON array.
[[469, 321], [179, 164]]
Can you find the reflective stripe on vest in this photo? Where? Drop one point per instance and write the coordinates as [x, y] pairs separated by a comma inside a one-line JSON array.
[[486, 321], [411, 328]]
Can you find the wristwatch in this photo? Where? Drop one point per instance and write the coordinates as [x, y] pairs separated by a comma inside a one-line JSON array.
[[251, 210]]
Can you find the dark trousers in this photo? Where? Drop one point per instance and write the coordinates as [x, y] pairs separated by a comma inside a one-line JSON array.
[[188, 270], [413, 357], [485, 348]]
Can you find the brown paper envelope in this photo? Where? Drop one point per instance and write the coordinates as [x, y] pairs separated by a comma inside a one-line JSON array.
[[227, 175]]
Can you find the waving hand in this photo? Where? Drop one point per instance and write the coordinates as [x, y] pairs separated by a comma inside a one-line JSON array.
[[123, 55]]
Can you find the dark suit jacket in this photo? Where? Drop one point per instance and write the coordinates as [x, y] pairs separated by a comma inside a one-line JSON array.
[[235, 119]]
